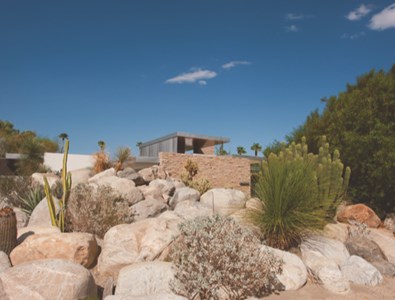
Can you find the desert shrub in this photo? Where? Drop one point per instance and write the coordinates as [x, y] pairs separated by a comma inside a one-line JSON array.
[[101, 163], [13, 187], [122, 156], [31, 198], [188, 177], [95, 210], [216, 255], [288, 191]]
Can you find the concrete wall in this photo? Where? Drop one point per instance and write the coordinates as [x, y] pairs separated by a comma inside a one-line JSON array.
[[221, 171], [74, 161]]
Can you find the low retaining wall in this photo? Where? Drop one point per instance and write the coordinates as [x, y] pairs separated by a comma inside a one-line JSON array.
[[220, 171]]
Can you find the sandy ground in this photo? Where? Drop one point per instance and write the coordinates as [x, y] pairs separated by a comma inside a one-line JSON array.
[[314, 291]]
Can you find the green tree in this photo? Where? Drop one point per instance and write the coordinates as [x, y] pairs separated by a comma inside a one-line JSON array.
[[360, 123], [241, 150], [256, 147]]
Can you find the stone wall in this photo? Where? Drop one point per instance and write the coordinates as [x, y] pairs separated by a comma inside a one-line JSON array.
[[221, 171]]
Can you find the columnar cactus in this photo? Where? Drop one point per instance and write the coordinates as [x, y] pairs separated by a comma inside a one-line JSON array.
[[8, 230], [58, 219]]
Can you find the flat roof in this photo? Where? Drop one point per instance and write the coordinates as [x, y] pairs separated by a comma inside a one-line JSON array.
[[215, 139]]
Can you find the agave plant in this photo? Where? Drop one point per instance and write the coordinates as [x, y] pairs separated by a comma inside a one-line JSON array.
[[31, 199]]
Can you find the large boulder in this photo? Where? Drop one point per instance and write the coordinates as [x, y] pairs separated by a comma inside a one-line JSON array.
[[329, 248], [166, 187], [123, 187], [47, 279], [148, 208], [183, 194], [38, 178], [127, 244], [25, 232], [359, 213], [386, 241], [325, 269], [4, 262], [224, 201], [294, 272], [78, 247], [145, 278], [40, 215], [190, 209], [359, 271], [106, 173], [22, 218], [161, 296], [337, 231], [371, 252], [131, 174], [80, 175]]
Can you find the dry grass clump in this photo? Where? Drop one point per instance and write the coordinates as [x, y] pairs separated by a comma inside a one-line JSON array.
[[95, 210], [215, 255], [102, 162]]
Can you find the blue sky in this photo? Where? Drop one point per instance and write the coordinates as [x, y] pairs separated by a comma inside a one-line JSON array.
[[129, 71]]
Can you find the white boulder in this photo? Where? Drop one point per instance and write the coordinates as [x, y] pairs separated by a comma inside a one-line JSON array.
[[359, 271], [182, 194], [224, 201]]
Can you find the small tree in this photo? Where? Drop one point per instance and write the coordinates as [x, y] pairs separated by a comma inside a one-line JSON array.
[[241, 150], [102, 145], [256, 147]]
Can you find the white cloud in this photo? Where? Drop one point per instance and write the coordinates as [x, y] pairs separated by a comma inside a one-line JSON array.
[[292, 28], [358, 13], [384, 19], [292, 16], [353, 36], [233, 64], [193, 76], [202, 82]]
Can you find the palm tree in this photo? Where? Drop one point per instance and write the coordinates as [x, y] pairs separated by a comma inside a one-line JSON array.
[[102, 145], [241, 150], [63, 136], [256, 147]]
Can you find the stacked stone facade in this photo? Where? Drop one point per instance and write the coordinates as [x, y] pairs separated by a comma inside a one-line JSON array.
[[220, 171]]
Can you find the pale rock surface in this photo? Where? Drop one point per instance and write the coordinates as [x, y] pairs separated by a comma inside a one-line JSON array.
[[4, 262], [79, 247], [148, 208], [389, 222], [38, 178], [224, 201], [145, 278], [49, 280], [147, 174], [149, 297], [325, 269], [169, 215], [330, 248], [386, 241], [190, 209], [131, 174], [165, 186], [337, 231], [182, 194], [151, 191], [40, 215], [22, 218], [106, 173], [25, 232], [80, 176], [359, 271], [294, 274], [127, 244], [359, 213]]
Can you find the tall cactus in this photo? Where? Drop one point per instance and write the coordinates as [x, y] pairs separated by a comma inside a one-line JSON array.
[[57, 219], [8, 230]]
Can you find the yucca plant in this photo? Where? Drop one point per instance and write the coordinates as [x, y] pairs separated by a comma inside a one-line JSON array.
[[288, 191], [57, 219], [122, 155], [31, 199]]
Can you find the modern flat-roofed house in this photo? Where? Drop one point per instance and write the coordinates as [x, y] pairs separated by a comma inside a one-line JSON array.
[[182, 142]]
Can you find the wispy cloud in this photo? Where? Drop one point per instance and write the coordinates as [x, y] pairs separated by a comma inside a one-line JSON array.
[[353, 36], [190, 77], [384, 19], [295, 17], [292, 28], [233, 64], [358, 13]]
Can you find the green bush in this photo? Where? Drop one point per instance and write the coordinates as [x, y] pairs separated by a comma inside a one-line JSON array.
[[188, 177], [95, 210], [215, 255]]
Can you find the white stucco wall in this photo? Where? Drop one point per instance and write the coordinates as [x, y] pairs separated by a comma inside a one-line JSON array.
[[74, 161]]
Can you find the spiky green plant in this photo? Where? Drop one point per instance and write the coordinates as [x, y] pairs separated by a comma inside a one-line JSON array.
[[122, 155], [57, 219], [31, 199]]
